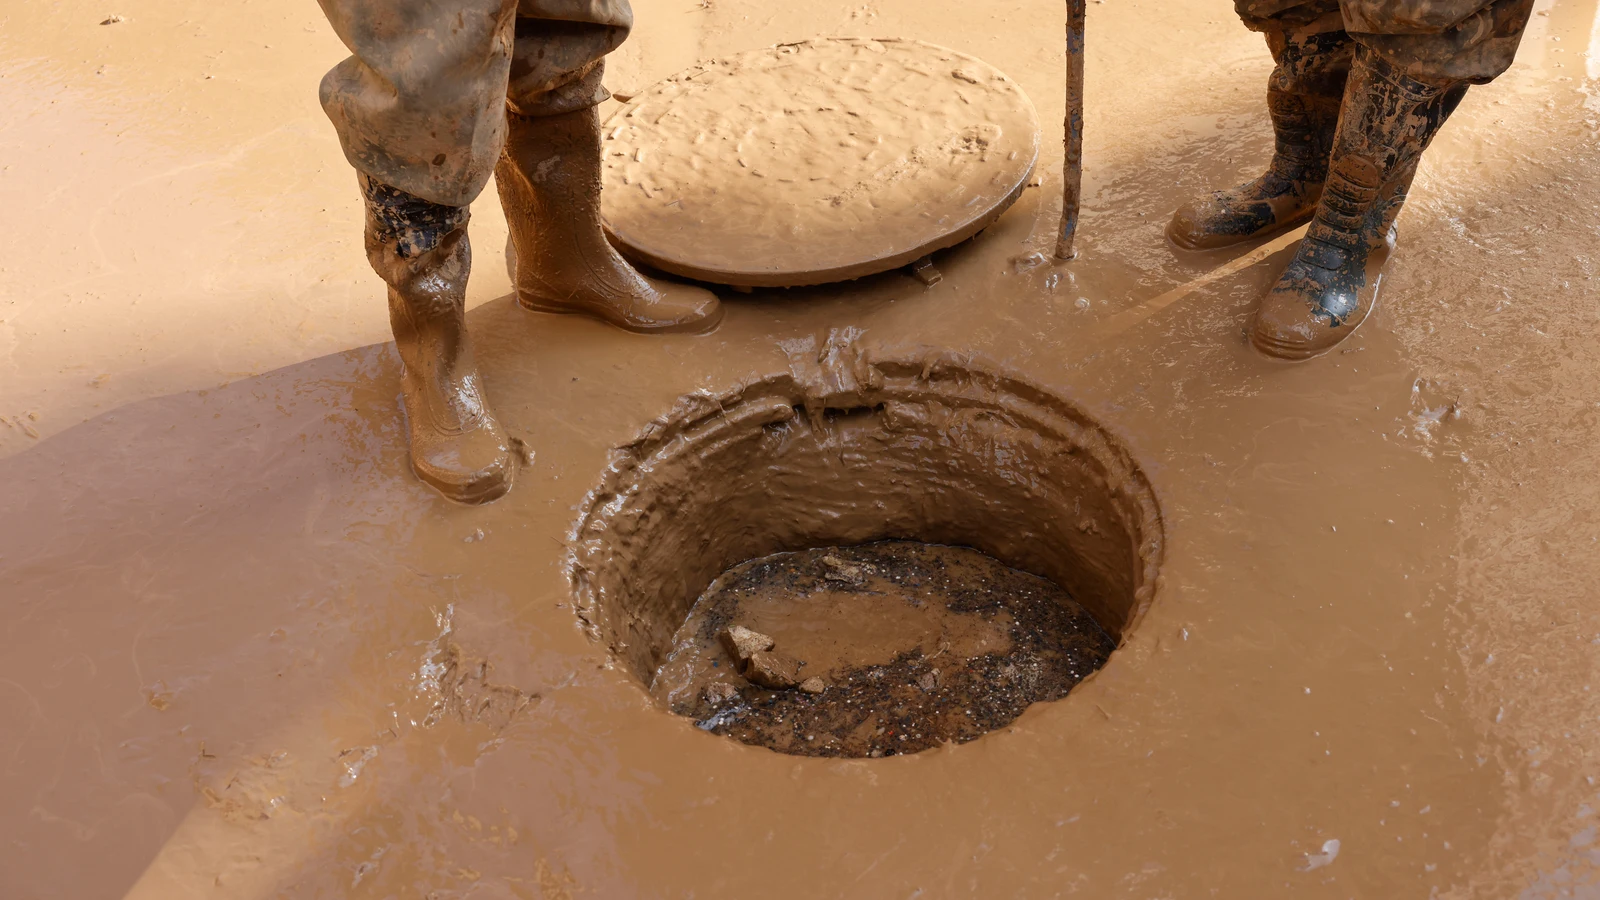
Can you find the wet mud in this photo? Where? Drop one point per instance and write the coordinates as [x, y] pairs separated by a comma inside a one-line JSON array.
[[1364, 665], [915, 645], [879, 153]]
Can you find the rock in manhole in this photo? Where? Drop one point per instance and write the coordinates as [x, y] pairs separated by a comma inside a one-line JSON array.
[[838, 455]]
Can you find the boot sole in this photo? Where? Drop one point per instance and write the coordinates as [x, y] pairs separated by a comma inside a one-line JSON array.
[[1258, 237], [1297, 352], [472, 494], [697, 327]]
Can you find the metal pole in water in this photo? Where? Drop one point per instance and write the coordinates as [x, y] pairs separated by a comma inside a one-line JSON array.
[[1072, 167]]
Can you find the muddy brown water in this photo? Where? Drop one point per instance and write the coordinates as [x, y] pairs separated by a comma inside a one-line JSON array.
[[915, 645], [246, 655]]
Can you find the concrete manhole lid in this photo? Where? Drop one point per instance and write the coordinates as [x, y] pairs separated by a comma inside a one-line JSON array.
[[814, 162]]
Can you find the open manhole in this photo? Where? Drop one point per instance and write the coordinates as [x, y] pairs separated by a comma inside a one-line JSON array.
[[866, 557]]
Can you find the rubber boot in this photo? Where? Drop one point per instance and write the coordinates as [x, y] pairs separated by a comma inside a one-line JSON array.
[[420, 249], [1332, 283], [1303, 101], [549, 181]]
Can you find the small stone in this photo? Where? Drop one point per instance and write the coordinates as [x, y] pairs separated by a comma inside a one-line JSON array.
[[813, 685], [839, 570], [742, 642], [112, 20], [720, 692], [928, 682], [771, 670]]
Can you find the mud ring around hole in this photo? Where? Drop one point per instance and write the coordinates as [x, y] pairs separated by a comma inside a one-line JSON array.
[[847, 450]]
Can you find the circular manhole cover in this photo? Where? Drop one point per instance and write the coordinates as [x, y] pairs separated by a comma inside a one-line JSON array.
[[814, 162]]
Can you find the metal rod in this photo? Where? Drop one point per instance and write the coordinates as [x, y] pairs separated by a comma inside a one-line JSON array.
[[1072, 166]]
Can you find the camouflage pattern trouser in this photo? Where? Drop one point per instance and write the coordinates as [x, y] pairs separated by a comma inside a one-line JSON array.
[[1437, 41], [421, 105]]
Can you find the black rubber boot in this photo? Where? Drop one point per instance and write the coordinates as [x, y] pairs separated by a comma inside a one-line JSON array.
[[1303, 99], [1332, 283], [420, 249]]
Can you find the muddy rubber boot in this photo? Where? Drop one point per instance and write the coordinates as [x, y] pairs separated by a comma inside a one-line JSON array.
[[1332, 283], [420, 249], [549, 182], [1303, 99]]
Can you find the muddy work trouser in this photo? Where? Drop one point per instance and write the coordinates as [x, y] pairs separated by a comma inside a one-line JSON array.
[[422, 103], [1437, 41]]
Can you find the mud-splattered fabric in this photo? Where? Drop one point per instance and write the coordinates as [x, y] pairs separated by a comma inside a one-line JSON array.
[[409, 224], [1311, 64], [421, 104], [1440, 41]]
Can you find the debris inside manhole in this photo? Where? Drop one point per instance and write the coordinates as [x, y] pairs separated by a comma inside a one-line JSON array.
[[875, 650], [742, 643]]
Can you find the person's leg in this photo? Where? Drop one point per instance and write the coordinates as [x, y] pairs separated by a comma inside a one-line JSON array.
[[420, 249], [1313, 54], [1441, 41], [1402, 88], [549, 178], [419, 110]]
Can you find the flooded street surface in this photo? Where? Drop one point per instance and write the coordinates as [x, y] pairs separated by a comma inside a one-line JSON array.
[[248, 655]]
